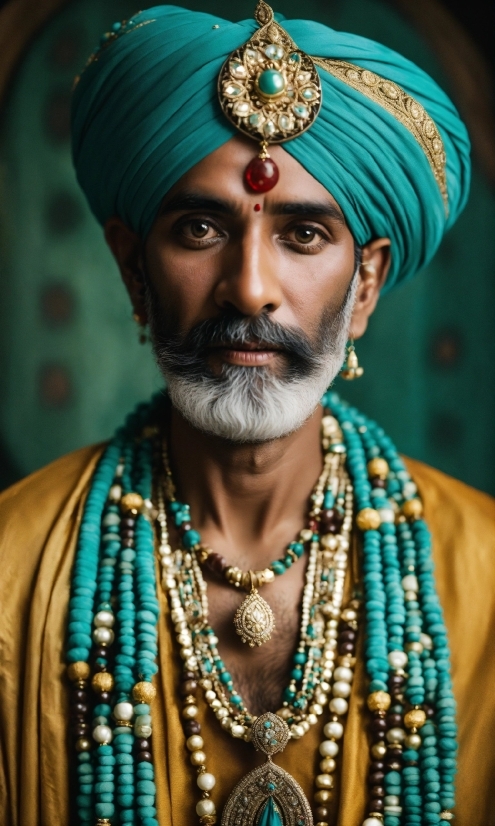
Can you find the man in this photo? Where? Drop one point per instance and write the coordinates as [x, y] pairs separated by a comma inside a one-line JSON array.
[[253, 263]]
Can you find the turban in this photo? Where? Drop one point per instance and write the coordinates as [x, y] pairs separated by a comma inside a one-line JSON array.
[[145, 110]]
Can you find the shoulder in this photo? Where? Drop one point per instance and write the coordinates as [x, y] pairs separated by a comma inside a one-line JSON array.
[[31, 507], [449, 501]]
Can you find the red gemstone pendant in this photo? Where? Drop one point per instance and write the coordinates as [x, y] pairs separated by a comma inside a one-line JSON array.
[[261, 174]]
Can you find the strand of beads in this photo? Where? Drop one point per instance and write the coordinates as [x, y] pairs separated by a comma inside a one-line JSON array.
[[216, 563], [205, 808], [83, 591], [338, 707], [418, 774]]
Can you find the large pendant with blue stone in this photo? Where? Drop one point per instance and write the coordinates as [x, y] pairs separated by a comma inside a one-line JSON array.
[[268, 796]]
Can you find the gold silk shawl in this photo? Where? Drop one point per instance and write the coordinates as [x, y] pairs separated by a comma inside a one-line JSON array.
[[39, 521]]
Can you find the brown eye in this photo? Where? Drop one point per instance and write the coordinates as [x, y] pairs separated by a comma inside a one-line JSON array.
[[199, 229], [304, 235]]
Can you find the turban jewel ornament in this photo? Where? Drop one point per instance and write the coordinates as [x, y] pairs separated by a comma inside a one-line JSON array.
[[169, 86], [271, 91]]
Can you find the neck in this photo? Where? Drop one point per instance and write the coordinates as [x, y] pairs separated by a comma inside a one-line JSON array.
[[248, 501]]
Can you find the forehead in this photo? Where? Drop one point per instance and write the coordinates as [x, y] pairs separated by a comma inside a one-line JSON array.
[[221, 174]]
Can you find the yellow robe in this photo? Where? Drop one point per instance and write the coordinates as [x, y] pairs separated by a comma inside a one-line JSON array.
[[39, 520]]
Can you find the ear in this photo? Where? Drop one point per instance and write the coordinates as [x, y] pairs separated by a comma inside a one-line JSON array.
[[127, 250], [372, 276]]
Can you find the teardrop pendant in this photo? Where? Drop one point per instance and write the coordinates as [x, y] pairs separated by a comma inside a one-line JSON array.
[[261, 174], [254, 620]]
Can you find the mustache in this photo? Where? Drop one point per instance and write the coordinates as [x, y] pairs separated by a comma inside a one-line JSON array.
[[186, 354]]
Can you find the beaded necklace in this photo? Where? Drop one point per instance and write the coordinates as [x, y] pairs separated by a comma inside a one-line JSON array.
[[112, 638], [254, 620]]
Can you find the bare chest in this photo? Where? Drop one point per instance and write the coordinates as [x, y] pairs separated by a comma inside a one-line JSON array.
[[260, 674]]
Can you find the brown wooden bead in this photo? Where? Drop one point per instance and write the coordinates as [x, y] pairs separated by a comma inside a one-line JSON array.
[[80, 708], [378, 804], [322, 812], [189, 675], [100, 651], [104, 696], [127, 533], [128, 522], [80, 730], [144, 757], [192, 727], [189, 687], [348, 635], [377, 766], [378, 725], [79, 696], [377, 791], [99, 668], [128, 543], [376, 778], [216, 563], [186, 526], [346, 648], [143, 745], [394, 720], [378, 483]]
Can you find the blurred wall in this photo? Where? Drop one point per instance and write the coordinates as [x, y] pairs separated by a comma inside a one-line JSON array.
[[70, 363]]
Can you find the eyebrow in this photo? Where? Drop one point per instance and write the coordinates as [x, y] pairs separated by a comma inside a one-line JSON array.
[[305, 208], [187, 201], [192, 201]]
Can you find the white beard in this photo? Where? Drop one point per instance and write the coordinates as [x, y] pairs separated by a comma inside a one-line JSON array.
[[251, 404]]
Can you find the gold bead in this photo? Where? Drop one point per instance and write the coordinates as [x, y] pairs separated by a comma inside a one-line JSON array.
[[322, 823], [379, 701], [415, 718], [78, 671], [103, 821], [368, 519], [412, 509], [131, 503], [378, 467], [208, 820], [323, 796], [144, 693], [83, 744], [103, 681], [378, 751]]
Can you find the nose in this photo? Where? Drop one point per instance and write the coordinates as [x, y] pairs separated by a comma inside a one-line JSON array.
[[250, 283]]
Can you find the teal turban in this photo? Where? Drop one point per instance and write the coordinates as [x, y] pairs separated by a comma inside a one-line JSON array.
[[146, 110]]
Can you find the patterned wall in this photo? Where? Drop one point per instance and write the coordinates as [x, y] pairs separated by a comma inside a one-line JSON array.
[[70, 362]]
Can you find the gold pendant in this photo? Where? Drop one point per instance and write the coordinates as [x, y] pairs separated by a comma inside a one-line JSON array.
[[268, 796], [254, 620]]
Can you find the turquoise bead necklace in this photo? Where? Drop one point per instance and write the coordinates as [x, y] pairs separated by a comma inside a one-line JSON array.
[[112, 636], [254, 620]]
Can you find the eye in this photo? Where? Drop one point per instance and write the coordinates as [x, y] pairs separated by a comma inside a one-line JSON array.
[[304, 235], [198, 229]]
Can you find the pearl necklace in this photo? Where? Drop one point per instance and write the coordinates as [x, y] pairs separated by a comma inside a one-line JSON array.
[[321, 610]]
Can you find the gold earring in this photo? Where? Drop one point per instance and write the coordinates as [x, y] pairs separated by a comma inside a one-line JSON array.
[[351, 369], [141, 321], [367, 266]]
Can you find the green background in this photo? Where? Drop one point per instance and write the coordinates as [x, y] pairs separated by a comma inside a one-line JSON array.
[[70, 363]]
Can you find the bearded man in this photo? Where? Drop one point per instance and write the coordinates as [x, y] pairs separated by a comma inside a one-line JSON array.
[[229, 613]]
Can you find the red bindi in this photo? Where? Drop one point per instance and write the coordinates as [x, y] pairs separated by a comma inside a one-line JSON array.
[[257, 207]]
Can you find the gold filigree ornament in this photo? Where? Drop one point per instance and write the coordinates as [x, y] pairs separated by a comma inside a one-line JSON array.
[[268, 794], [270, 90], [403, 107], [254, 620]]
